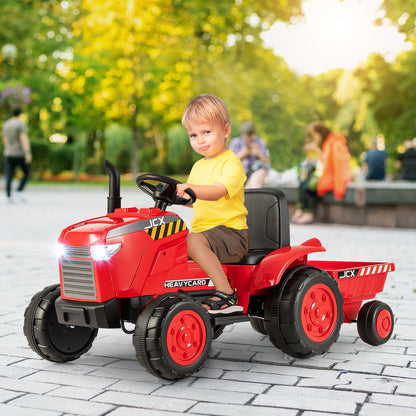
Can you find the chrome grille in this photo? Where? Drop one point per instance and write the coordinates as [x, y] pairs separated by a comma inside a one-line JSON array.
[[73, 251], [78, 278]]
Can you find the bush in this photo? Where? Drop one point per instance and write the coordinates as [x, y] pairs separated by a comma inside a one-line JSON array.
[[40, 158], [61, 158], [118, 146], [180, 156]]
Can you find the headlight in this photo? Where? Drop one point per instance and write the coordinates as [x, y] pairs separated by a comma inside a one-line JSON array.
[[60, 250], [104, 252]]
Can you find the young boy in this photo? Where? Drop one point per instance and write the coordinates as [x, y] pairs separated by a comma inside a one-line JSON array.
[[219, 231]]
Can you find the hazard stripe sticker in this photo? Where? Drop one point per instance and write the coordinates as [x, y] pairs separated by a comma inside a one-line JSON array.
[[369, 270], [156, 227], [166, 230]]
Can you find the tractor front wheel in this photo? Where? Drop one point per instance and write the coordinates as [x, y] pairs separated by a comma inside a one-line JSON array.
[[47, 337], [173, 336]]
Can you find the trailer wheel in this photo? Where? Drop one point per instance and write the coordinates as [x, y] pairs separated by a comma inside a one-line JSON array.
[[173, 336], [375, 323], [305, 315], [47, 337], [258, 325]]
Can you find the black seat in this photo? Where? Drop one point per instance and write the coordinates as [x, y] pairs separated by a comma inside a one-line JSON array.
[[268, 223]]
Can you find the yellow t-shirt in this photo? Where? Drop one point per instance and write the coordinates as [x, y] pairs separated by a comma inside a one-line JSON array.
[[228, 210]]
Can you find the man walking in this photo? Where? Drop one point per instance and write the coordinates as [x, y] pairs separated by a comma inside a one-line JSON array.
[[16, 152]]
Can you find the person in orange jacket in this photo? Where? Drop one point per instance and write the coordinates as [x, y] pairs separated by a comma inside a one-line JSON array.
[[332, 173]]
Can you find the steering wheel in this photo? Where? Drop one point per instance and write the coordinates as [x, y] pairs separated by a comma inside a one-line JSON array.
[[164, 193]]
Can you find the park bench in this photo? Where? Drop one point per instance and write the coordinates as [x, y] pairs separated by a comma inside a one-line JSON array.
[[370, 203]]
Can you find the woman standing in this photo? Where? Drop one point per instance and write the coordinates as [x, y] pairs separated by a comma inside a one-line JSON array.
[[332, 173]]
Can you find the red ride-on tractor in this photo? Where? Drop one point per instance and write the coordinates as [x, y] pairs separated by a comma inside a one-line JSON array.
[[131, 266]]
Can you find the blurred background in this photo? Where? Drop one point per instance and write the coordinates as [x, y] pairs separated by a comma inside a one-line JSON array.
[[104, 79]]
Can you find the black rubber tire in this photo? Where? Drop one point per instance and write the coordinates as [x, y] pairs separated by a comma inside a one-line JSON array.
[[370, 330], [283, 313], [153, 332], [258, 325], [47, 337]]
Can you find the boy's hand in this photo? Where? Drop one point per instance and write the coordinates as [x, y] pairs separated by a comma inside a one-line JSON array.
[[181, 188]]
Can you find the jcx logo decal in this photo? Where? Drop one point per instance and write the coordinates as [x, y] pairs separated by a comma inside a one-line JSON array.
[[347, 273], [365, 271]]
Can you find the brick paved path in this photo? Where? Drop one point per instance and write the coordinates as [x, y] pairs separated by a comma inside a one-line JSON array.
[[245, 374]]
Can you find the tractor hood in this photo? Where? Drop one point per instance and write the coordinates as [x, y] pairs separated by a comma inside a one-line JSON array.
[[102, 230]]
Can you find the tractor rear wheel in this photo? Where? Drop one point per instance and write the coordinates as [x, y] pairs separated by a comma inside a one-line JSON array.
[[173, 336], [304, 316], [375, 323], [47, 337]]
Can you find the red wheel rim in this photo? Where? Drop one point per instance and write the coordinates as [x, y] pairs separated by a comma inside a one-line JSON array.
[[383, 323], [319, 312], [186, 337]]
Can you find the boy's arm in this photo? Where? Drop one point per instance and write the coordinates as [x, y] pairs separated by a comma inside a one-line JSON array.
[[205, 192]]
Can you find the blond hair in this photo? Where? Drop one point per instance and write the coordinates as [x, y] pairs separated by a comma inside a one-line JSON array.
[[206, 107]]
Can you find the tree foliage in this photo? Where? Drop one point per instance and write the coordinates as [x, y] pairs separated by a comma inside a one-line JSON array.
[[403, 14], [141, 62], [116, 76]]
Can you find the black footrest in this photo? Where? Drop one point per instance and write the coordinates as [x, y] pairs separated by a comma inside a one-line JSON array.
[[229, 319]]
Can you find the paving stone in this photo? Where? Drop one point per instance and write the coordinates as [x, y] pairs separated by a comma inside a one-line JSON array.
[[10, 410], [75, 406], [144, 401], [219, 409], [203, 394], [254, 377], [394, 399], [400, 372], [308, 413], [230, 385], [25, 386], [367, 383], [64, 379], [135, 411], [302, 398], [245, 374], [82, 393], [370, 409], [387, 359], [6, 395], [407, 387], [132, 386], [359, 367], [14, 372]]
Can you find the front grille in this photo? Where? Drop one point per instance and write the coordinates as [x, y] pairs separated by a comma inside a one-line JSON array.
[[74, 251], [78, 278]]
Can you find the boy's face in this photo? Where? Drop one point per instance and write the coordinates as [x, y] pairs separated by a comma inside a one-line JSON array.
[[208, 138]]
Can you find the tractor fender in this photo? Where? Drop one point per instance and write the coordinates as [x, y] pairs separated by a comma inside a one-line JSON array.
[[273, 266]]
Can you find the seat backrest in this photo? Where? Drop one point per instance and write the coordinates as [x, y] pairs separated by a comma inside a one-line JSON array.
[[267, 219]]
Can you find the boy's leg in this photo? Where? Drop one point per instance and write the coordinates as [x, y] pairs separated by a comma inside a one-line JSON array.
[[200, 252]]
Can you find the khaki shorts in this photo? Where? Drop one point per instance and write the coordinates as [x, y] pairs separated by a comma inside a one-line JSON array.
[[228, 244]]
